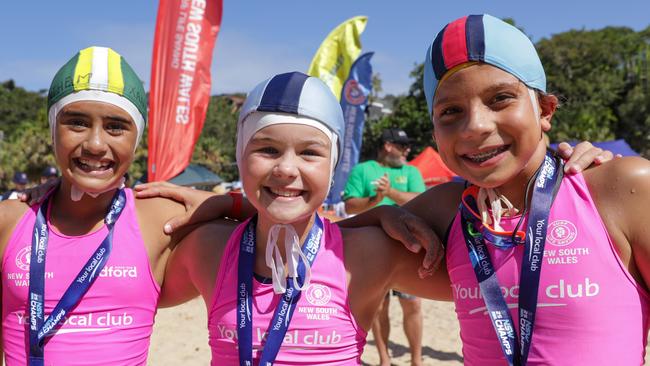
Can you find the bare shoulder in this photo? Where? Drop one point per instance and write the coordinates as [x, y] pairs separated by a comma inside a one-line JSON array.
[[11, 210], [622, 178]]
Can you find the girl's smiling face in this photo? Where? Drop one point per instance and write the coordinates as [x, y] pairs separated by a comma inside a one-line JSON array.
[[94, 144], [486, 126], [286, 171]]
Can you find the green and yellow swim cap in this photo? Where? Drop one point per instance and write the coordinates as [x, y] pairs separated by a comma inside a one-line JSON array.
[[98, 74]]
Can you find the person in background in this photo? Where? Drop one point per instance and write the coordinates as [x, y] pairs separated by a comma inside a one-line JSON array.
[[20, 184], [389, 181], [49, 173]]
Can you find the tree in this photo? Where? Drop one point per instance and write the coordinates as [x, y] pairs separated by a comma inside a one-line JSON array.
[[410, 113], [216, 147], [597, 76]]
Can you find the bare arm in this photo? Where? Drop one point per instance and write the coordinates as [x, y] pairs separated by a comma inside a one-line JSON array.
[[358, 205], [400, 197], [201, 206], [375, 264]]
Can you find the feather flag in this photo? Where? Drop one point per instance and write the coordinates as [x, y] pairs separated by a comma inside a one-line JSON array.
[[336, 54], [180, 82]]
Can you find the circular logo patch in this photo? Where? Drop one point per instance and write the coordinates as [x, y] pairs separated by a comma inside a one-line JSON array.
[[353, 93], [318, 295], [23, 258], [561, 233]]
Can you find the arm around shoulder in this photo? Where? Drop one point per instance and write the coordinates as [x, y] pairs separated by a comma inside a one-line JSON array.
[[388, 264]]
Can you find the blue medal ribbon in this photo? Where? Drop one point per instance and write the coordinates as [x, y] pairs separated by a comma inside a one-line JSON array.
[[287, 305], [39, 327], [546, 185]]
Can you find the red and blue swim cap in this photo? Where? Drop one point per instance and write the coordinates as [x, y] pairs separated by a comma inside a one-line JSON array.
[[486, 39]]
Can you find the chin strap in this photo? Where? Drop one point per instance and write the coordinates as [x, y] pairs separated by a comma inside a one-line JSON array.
[[491, 196], [294, 254], [77, 193]]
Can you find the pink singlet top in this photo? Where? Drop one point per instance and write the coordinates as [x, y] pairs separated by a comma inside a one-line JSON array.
[[322, 330], [590, 310], [112, 323]]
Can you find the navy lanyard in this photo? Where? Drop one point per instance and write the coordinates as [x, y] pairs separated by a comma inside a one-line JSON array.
[[286, 306], [39, 328], [547, 183]]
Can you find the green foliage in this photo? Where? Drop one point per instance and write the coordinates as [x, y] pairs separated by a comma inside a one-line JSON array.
[[26, 145], [593, 73], [216, 146]]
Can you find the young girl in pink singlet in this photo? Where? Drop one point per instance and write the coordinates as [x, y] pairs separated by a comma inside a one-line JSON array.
[[81, 272], [282, 287], [545, 269]]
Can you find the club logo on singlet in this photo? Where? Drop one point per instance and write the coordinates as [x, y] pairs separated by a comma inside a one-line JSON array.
[[23, 258], [318, 295], [561, 233]]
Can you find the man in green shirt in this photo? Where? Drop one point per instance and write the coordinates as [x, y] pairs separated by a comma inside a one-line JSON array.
[[389, 181]]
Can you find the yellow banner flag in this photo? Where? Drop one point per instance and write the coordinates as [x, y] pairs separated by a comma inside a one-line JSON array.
[[336, 54]]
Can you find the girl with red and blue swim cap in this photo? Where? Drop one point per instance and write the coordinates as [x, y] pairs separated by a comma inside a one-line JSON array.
[[545, 269]]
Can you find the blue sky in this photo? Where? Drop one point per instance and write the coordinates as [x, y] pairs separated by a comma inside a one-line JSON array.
[[261, 38]]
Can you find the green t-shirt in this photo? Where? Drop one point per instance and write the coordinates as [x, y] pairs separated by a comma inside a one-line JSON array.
[[406, 178]]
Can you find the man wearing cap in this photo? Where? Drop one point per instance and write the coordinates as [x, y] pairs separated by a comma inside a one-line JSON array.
[[20, 183], [389, 181], [385, 181], [49, 173]]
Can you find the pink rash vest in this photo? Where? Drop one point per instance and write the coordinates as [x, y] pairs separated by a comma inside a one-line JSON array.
[[590, 310], [322, 330], [112, 323]]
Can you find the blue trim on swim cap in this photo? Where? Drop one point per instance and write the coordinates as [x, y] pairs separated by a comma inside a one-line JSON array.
[[475, 38], [298, 94], [282, 93]]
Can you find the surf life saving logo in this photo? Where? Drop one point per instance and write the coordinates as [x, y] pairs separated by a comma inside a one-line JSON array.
[[318, 295], [561, 233], [23, 258], [353, 93]]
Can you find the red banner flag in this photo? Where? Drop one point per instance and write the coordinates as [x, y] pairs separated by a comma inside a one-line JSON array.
[[180, 82]]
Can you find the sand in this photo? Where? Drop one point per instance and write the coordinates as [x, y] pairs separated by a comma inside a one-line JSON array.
[[180, 337]]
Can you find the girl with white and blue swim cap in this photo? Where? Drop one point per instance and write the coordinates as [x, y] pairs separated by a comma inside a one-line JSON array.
[[288, 287], [82, 271]]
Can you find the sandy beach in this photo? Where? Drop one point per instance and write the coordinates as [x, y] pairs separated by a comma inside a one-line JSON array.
[[180, 337]]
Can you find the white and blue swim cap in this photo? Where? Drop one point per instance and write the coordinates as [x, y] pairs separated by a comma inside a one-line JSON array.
[[291, 98]]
